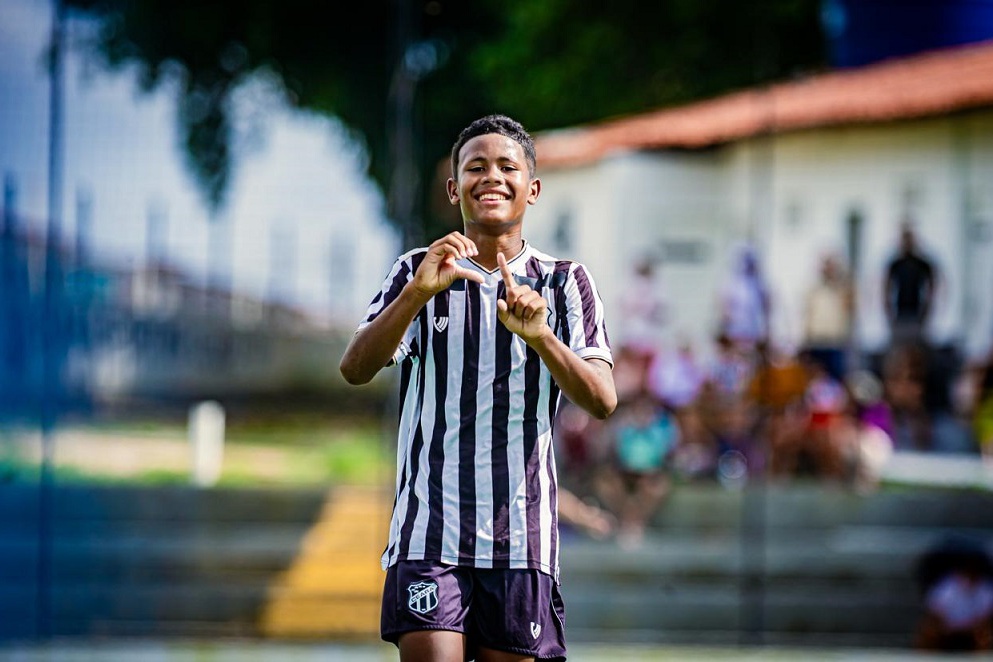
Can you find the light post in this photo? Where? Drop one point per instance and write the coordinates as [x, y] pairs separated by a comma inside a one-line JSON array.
[[51, 331]]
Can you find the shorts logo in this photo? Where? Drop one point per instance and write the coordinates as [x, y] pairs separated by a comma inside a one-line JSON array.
[[535, 629], [423, 597], [440, 324]]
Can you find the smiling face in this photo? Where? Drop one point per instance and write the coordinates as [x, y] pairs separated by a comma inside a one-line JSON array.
[[493, 184]]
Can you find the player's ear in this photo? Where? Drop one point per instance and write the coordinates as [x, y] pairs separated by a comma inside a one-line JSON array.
[[534, 191], [453, 191]]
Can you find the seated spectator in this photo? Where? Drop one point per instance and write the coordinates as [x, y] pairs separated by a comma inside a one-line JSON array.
[[736, 437], [697, 452], [579, 451], [982, 412], [675, 378], [871, 430], [778, 389], [955, 577], [636, 482], [827, 450], [729, 371], [917, 426]]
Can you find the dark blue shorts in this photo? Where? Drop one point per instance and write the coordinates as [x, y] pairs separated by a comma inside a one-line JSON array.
[[518, 611]]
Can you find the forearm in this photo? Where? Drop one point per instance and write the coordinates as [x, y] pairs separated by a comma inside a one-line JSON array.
[[371, 348], [589, 383]]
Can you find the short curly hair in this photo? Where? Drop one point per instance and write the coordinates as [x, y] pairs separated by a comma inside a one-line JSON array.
[[503, 125]]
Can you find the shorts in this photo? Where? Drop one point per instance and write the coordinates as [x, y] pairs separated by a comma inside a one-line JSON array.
[[513, 610]]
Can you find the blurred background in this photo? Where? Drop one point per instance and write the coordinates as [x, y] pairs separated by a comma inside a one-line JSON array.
[[788, 208]]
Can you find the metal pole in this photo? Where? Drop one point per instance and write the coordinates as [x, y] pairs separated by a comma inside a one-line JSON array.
[[52, 329]]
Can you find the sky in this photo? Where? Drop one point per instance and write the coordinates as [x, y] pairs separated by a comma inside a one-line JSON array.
[[303, 222]]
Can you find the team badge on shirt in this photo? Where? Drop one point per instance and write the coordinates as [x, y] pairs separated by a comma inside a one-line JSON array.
[[440, 324], [423, 597]]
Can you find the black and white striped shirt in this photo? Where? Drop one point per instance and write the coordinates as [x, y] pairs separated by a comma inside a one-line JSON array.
[[476, 479]]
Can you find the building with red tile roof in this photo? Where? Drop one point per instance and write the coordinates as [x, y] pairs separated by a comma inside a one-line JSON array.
[[832, 163], [925, 85]]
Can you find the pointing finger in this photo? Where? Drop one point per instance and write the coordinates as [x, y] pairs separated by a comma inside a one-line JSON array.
[[508, 276]]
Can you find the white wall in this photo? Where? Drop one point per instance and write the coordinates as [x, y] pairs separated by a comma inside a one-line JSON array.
[[636, 204], [881, 172], [792, 194]]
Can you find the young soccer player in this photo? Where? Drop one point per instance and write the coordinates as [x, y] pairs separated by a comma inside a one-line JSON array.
[[488, 332]]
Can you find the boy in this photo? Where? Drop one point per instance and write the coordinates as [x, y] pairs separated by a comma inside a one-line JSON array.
[[488, 332]]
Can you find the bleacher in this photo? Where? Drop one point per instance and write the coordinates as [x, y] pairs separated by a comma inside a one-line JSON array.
[[798, 564]]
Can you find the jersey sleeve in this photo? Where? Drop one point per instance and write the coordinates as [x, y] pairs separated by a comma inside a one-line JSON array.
[[399, 275], [587, 329]]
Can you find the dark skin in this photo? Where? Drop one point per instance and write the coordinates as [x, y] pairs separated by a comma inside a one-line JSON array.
[[493, 187]]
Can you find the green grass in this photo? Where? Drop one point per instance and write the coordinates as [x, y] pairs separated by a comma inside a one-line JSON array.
[[297, 451]]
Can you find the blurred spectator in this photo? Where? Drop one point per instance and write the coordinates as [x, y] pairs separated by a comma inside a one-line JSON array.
[[637, 481], [872, 426], [676, 377], [630, 373], [729, 414], [736, 438], [778, 389], [829, 444], [871, 407], [728, 371], [744, 302], [955, 578], [644, 309], [819, 441], [917, 424], [982, 412], [697, 452], [828, 316], [909, 290], [579, 449]]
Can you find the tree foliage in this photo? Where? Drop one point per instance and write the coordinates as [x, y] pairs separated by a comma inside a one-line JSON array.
[[550, 64]]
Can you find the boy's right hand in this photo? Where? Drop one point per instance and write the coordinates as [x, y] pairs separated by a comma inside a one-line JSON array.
[[440, 267]]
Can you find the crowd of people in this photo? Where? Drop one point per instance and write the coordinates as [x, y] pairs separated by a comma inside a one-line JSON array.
[[742, 406]]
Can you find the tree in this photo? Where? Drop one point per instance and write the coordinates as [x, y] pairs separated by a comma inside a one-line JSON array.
[[550, 64]]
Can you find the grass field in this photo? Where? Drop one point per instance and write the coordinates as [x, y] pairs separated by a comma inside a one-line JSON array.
[[298, 451]]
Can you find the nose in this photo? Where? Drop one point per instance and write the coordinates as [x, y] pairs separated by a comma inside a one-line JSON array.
[[493, 174]]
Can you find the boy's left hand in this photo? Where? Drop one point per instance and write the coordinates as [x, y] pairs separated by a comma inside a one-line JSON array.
[[524, 311]]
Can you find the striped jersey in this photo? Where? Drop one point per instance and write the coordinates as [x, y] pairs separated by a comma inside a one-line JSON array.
[[476, 480]]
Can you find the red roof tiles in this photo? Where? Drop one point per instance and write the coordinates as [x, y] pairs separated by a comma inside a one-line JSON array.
[[928, 84]]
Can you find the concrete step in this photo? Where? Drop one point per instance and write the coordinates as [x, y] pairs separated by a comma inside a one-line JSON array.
[[786, 564]]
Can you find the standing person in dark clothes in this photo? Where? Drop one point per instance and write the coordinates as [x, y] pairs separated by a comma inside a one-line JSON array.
[[909, 290], [488, 332]]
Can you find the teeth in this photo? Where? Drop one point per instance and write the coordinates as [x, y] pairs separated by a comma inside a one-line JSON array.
[[491, 196]]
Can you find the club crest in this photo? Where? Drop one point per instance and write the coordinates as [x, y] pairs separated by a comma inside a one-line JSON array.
[[423, 597], [440, 324]]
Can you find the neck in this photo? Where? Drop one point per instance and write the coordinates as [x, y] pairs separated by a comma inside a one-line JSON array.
[[509, 245]]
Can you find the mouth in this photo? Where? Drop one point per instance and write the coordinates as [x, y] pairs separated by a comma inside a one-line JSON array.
[[493, 196]]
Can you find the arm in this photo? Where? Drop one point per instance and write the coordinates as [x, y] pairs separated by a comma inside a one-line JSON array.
[[589, 383], [371, 348]]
